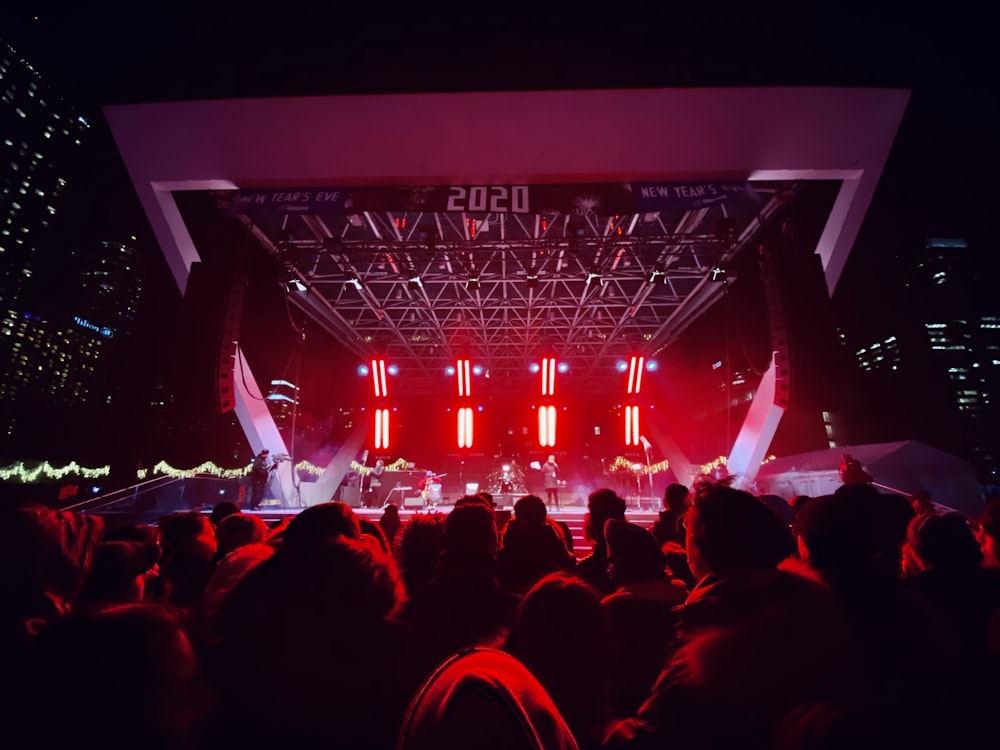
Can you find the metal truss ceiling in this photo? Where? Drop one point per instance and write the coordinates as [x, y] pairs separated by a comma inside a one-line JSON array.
[[504, 290]]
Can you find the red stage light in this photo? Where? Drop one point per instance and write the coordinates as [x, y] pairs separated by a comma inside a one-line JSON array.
[[635, 374], [381, 429], [547, 426], [465, 427], [631, 425]]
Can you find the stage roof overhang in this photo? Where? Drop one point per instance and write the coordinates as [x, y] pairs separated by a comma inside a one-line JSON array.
[[585, 225]]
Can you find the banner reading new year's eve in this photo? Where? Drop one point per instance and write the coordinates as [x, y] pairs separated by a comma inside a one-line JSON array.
[[582, 199]]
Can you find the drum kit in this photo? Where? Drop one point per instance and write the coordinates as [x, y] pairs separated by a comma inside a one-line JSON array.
[[507, 480]]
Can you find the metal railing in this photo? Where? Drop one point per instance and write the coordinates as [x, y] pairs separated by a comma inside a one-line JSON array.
[[147, 501]]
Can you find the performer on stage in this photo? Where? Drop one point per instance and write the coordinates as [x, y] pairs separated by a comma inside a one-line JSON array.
[[260, 472], [375, 484], [550, 476], [430, 487]]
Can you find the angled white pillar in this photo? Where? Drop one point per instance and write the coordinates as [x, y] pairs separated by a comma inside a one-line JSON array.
[[757, 432], [260, 428]]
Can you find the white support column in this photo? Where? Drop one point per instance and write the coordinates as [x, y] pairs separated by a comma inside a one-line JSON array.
[[260, 428], [756, 433]]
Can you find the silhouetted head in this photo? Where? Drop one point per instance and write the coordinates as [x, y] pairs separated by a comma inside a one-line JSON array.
[[731, 531]]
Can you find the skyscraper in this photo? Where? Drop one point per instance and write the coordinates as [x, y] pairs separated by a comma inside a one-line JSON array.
[[938, 356], [41, 142], [66, 300]]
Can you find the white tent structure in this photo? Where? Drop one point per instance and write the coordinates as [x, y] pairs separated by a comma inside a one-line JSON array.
[[904, 467]]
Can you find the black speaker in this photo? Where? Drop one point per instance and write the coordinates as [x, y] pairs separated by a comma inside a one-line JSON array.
[[351, 496]]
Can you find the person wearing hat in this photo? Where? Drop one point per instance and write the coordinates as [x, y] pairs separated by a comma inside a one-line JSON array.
[[259, 473]]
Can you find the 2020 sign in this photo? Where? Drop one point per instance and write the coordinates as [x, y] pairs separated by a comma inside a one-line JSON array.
[[504, 199]]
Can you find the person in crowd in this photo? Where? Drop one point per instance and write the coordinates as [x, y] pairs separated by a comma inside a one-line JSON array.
[[550, 480], [187, 558], [45, 557], [118, 678], [483, 698], [602, 504], [149, 534], [333, 519], [238, 529], [942, 564], [922, 503], [560, 634], [372, 530], [119, 575], [390, 522], [903, 654], [798, 504], [488, 498], [228, 572], [531, 546], [667, 527], [421, 542], [221, 510], [464, 603], [640, 612], [285, 657], [753, 640]]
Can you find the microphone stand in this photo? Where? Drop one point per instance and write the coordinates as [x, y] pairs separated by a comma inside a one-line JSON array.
[[649, 472]]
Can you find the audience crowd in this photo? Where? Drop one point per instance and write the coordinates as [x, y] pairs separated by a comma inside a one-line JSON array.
[[853, 620]]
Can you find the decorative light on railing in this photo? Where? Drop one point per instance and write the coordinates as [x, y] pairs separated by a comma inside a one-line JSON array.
[[621, 463], [713, 466]]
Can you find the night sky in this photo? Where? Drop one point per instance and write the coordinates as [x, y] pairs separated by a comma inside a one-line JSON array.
[[938, 181]]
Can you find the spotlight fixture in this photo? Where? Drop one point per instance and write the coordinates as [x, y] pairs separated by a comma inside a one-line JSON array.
[[353, 280], [656, 274], [718, 274], [414, 284], [472, 284], [532, 278], [295, 285], [594, 275]]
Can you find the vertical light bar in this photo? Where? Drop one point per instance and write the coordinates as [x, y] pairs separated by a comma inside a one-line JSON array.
[[547, 426], [378, 378], [375, 383], [385, 428], [631, 425], [465, 427], [638, 373], [381, 428], [381, 377], [462, 371], [548, 376], [631, 376]]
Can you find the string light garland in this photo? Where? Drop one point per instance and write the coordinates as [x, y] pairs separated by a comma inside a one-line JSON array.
[[19, 472]]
